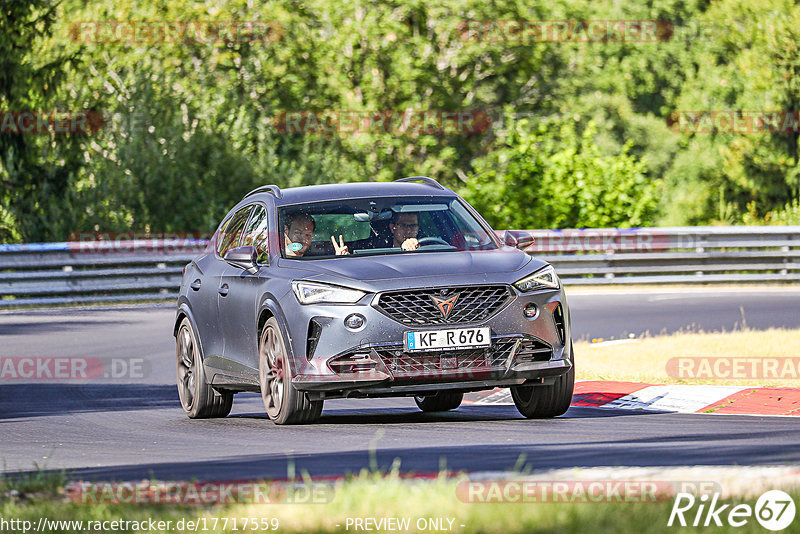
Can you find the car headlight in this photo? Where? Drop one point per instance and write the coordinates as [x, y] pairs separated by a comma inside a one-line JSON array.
[[542, 279], [313, 293]]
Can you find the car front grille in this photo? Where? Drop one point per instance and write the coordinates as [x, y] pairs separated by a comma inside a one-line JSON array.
[[475, 363], [417, 307], [415, 364]]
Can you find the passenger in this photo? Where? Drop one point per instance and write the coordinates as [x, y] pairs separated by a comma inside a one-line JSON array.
[[298, 233]]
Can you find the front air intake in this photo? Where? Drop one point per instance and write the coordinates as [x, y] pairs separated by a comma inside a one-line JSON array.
[[314, 332], [558, 319]]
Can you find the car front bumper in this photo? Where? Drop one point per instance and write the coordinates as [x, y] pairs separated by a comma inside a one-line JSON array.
[[524, 350], [379, 383]]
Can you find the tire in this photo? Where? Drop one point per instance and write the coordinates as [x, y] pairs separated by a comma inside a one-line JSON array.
[[540, 402], [284, 404], [444, 401], [198, 399]]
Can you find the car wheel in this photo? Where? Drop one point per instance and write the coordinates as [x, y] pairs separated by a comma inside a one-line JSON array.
[[440, 403], [198, 399], [285, 405], [538, 402]]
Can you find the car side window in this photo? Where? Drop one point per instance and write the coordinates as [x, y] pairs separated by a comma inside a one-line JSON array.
[[257, 233], [218, 241], [231, 234]]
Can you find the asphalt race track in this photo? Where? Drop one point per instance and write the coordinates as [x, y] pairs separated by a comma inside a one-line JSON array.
[[617, 313], [133, 427]]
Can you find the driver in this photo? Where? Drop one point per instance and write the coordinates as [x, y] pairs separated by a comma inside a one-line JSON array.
[[405, 227]]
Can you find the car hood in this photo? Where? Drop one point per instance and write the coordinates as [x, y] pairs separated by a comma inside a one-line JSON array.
[[415, 265]]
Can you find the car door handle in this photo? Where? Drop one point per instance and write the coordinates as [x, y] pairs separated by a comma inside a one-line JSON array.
[[195, 285], [223, 290]]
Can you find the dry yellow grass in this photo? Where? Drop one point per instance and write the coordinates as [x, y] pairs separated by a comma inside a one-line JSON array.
[[768, 358]]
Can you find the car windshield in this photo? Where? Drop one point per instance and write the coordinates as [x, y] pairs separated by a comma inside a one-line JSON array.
[[362, 227]]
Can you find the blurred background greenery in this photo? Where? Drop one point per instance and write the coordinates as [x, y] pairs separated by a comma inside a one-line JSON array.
[[579, 138]]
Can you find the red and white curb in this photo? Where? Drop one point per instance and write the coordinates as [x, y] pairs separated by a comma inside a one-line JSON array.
[[741, 400]]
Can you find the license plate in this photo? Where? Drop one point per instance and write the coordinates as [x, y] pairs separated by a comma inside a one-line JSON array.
[[452, 339]]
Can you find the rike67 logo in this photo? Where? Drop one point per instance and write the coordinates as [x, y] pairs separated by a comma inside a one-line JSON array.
[[774, 510]]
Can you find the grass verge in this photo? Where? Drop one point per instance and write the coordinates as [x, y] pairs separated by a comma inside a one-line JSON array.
[[427, 506], [646, 359]]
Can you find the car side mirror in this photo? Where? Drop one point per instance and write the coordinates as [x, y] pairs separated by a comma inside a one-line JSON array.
[[243, 257], [519, 239]]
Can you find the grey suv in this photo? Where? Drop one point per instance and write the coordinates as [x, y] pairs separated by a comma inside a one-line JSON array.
[[368, 290]]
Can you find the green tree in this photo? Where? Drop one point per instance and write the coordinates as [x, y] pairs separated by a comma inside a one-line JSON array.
[[752, 64], [190, 125], [549, 176], [35, 169]]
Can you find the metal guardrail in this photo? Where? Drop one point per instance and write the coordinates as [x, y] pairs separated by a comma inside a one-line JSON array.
[[93, 271], [685, 255], [107, 271]]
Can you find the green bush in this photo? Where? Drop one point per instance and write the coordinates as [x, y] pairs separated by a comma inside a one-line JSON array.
[[547, 175]]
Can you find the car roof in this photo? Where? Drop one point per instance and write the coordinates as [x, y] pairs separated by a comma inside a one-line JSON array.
[[318, 193]]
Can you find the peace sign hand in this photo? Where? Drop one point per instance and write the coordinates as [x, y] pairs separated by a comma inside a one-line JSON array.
[[340, 248]]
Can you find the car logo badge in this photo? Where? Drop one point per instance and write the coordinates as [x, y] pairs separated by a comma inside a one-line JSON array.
[[445, 306]]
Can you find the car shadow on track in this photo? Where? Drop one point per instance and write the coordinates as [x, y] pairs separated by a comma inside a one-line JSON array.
[[469, 413], [21, 401], [526, 457], [48, 327]]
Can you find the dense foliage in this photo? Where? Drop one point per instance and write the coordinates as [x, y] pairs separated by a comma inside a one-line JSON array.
[[580, 132]]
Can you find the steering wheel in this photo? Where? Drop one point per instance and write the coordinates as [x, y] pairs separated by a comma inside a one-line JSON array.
[[432, 241]]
